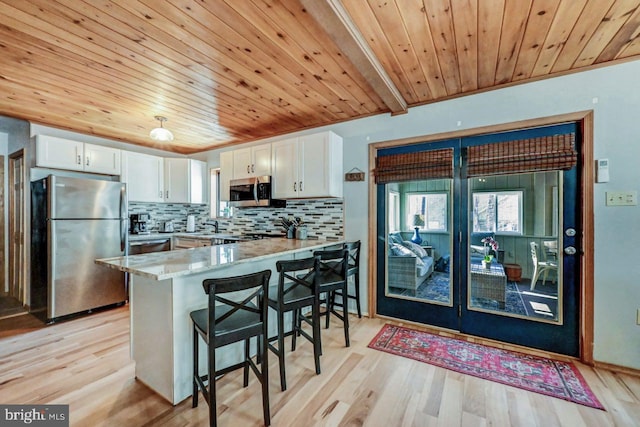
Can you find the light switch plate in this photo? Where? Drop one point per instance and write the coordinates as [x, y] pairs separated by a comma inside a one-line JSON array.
[[622, 198]]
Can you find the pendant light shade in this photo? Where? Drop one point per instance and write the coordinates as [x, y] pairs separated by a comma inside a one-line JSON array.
[[161, 134]]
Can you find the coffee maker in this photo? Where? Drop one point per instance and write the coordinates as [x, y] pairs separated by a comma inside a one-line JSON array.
[[138, 223]]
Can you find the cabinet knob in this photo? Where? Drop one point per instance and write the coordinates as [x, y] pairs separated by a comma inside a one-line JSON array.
[[79, 159], [253, 168], [248, 167], [300, 186], [294, 186], [88, 160]]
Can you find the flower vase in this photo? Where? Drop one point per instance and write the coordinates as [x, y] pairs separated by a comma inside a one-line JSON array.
[[416, 236], [486, 264]]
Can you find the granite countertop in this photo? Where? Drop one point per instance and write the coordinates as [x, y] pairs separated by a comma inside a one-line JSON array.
[[183, 262], [198, 235]]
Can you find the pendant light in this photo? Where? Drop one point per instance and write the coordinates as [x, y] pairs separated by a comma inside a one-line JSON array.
[[161, 134]]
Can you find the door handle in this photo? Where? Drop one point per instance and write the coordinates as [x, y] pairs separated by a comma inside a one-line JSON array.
[[294, 186], [248, 169]]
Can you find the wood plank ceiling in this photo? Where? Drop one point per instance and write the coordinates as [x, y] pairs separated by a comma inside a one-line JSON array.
[[231, 71]]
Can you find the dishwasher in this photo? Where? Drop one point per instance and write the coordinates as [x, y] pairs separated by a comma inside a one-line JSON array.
[[145, 247], [148, 246]]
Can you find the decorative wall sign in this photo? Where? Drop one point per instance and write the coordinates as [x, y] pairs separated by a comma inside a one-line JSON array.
[[354, 176]]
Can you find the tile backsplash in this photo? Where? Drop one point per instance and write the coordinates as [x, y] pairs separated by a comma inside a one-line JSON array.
[[324, 217], [171, 211]]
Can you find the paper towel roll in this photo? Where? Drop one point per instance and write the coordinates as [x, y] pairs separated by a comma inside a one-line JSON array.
[[191, 223]]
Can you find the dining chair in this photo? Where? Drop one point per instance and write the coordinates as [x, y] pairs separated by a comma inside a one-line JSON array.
[[237, 311], [540, 267], [297, 289]]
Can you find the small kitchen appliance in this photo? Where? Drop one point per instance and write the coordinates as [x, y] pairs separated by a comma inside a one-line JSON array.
[[138, 223], [252, 192], [166, 227], [191, 223]]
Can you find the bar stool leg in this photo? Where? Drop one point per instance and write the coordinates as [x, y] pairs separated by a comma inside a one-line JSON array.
[[357, 294], [213, 416], [345, 315], [194, 396], [283, 379]]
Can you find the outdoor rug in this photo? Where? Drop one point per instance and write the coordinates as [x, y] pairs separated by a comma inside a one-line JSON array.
[[532, 373]]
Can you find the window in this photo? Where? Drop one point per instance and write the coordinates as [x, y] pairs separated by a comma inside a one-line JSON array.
[[498, 211], [394, 211], [218, 208], [427, 211]]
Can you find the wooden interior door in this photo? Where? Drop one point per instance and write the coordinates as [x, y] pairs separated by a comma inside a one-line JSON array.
[[16, 226]]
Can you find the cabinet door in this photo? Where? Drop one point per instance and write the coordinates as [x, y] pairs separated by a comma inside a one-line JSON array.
[[320, 165], [284, 169], [226, 172], [176, 180], [312, 176], [242, 163], [261, 160], [59, 153], [101, 159], [198, 188], [143, 174]]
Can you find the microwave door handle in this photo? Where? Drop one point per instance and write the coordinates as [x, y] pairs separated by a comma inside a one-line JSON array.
[[255, 191]]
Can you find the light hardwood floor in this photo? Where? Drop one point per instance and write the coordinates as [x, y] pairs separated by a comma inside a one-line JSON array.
[[85, 363]]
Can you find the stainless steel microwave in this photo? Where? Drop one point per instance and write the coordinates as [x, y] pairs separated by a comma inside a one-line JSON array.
[[252, 192]]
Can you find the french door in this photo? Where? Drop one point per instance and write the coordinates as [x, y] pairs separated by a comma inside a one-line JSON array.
[[434, 234]]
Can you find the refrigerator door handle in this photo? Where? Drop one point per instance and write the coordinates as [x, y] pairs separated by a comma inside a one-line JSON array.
[[123, 219]]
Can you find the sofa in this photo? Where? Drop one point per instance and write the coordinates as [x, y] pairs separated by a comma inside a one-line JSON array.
[[408, 263]]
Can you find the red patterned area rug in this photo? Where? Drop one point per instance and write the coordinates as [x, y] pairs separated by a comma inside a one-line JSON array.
[[532, 373]]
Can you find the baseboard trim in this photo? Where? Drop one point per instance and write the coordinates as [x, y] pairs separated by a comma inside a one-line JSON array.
[[617, 368]]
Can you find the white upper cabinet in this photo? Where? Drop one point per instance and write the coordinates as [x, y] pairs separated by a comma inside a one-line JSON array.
[[226, 172], [143, 174], [101, 159], [59, 153], [252, 161], [307, 167], [185, 181]]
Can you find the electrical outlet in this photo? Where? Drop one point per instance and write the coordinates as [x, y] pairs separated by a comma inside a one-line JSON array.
[[622, 198]]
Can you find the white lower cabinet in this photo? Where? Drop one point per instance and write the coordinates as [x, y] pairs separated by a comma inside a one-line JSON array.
[[307, 167]]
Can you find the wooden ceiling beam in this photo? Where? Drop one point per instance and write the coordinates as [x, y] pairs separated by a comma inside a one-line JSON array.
[[331, 15]]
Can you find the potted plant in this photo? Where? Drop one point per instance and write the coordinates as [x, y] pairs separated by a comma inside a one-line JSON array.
[[489, 243]]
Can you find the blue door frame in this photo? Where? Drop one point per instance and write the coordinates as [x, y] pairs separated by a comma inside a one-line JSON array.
[[559, 338]]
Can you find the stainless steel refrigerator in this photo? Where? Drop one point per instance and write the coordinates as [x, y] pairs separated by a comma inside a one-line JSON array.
[[75, 221]]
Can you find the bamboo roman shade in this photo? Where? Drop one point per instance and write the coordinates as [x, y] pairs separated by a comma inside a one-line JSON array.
[[432, 164], [546, 153]]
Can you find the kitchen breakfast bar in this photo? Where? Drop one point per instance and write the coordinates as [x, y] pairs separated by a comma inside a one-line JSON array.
[[166, 286]]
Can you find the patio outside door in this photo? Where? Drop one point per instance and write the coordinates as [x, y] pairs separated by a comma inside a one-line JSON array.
[[525, 223]]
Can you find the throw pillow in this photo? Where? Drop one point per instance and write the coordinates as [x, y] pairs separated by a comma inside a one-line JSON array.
[[415, 248], [399, 250]]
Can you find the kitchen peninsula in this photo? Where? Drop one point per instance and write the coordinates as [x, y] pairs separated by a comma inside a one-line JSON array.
[[166, 286]]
